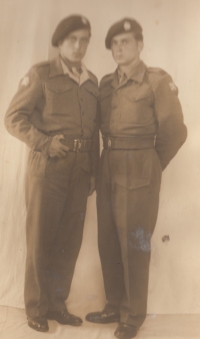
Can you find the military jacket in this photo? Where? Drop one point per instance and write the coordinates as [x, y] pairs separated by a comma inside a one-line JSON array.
[[146, 104], [49, 102]]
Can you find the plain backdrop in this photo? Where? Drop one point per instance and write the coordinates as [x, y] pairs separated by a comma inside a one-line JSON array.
[[172, 42]]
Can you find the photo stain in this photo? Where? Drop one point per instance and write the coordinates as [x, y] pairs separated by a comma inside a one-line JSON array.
[[140, 240], [166, 238]]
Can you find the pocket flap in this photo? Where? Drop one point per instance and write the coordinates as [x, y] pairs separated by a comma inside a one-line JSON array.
[[138, 93], [59, 88], [143, 93], [133, 169], [104, 94], [132, 182], [92, 89]]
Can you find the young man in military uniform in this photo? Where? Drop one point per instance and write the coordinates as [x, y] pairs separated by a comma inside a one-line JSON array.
[[54, 113], [142, 126]]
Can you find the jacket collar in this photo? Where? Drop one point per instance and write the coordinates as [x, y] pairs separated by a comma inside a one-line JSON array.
[[56, 69], [138, 72], [137, 75], [79, 78]]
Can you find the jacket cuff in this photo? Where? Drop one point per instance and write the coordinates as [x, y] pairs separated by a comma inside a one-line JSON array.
[[45, 148]]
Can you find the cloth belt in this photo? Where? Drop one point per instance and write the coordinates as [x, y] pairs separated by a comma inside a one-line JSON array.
[[128, 143], [77, 145]]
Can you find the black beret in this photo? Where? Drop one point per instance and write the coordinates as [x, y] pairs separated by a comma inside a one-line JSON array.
[[124, 26], [68, 25]]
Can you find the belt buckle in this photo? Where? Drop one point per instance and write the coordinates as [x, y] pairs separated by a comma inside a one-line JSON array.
[[109, 143], [77, 145]]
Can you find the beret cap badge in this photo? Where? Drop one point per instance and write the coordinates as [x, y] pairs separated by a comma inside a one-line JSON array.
[[68, 25], [127, 26], [25, 81], [84, 20], [172, 86]]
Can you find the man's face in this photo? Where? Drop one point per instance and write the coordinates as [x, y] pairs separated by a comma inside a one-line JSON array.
[[74, 46], [125, 49]]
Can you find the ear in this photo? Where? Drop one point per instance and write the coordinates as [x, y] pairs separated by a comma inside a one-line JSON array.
[[140, 46]]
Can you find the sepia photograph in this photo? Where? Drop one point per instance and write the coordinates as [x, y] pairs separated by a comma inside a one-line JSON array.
[[100, 169]]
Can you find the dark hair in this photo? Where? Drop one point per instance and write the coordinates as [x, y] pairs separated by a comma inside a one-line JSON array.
[[138, 36]]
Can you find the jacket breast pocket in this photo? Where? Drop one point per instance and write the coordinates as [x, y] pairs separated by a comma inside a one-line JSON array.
[[145, 95], [136, 93], [58, 99], [137, 106], [104, 94]]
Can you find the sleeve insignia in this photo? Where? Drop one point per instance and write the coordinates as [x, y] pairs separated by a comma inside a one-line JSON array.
[[127, 26], [25, 81], [172, 86]]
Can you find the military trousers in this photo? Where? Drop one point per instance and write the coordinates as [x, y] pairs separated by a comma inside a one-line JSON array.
[[127, 207], [56, 197]]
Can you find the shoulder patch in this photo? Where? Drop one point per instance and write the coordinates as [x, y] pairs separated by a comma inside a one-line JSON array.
[[163, 81]]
